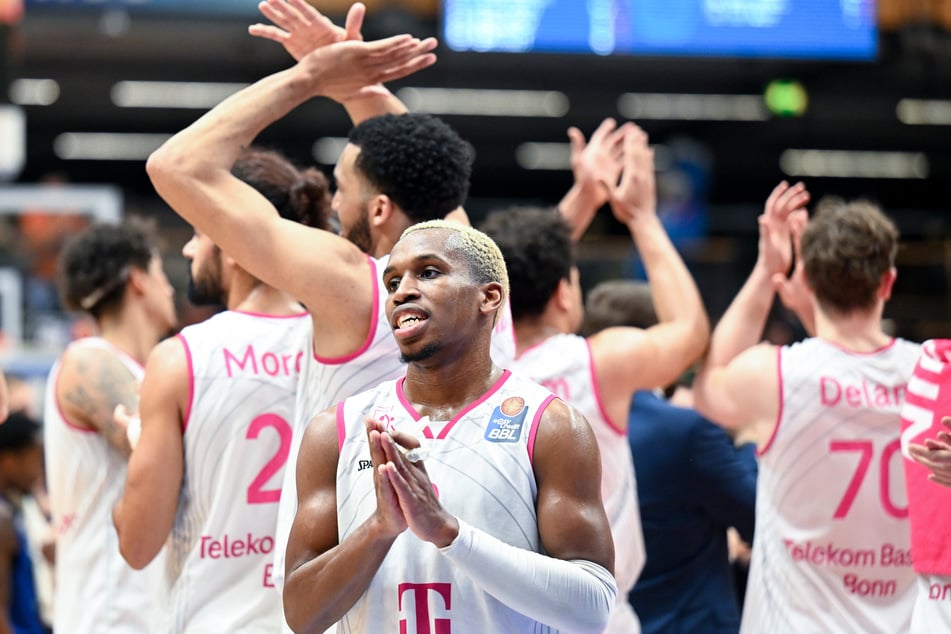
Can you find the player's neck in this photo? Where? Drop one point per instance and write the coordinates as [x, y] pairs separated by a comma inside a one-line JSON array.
[[135, 334], [262, 299], [859, 331], [531, 331], [441, 392]]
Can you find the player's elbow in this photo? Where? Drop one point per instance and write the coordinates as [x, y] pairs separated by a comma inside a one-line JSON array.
[[172, 165], [136, 547]]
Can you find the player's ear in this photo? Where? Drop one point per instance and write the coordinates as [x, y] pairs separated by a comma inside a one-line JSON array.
[[380, 210], [493, 297], [137, 280]]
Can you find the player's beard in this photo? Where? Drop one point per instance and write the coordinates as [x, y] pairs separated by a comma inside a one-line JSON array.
[[428, 351], [359, 232], [206, 290]]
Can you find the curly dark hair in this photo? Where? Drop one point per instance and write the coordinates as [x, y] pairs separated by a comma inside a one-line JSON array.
[[539, 253], [94, 266], [415, 159], [299, 195], [847, 248]]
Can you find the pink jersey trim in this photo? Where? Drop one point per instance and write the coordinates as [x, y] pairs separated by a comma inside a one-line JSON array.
[[186, 415], [374, 322], [270, 316], [779, 414], [861, 353], [341, 427], [534, 429], [620, 431], [537, 344], [401, 395]]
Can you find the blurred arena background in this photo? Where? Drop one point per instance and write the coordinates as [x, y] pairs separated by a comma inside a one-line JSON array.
[[851, 96]]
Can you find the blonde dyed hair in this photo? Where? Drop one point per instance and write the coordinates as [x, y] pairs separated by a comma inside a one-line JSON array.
[[480, 252]]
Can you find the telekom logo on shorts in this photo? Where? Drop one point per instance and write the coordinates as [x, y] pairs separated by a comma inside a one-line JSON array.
[[419, 595]]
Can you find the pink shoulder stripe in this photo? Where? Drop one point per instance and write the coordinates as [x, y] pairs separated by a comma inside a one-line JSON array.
[[186, 415], [533, 431], [779, 411], [374, 323], [341, 427], [596, 390]]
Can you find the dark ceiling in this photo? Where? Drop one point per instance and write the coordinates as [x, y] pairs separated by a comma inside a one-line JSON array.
[[851, 105]]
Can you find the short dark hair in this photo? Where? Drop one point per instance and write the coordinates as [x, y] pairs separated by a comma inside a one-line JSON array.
[[619, 303], [18, 432], [94, 266], [415, 159], [538, 250], [300, 195]]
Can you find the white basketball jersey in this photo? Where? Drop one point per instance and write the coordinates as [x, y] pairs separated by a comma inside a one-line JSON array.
[[563, 364], [96, 590], [237, 435], [831, 551], [326, 382], [480, 464]]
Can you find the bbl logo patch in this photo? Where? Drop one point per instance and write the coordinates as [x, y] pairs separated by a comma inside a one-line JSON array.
[[505, 424]]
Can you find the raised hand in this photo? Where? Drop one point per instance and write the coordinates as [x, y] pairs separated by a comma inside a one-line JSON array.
[[350, 69], [301, 29], [793, 290], [634, 195], [775, 236], [600, 159]]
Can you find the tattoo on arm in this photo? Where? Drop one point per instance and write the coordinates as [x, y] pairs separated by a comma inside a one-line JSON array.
[[104, 383]]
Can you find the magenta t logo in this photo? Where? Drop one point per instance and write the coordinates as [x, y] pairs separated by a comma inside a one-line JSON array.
[[420, 592]]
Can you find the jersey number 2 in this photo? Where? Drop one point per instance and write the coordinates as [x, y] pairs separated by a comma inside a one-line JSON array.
[[257, 494]]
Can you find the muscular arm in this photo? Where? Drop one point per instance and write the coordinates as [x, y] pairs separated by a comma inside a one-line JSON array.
[[325, 577], [629, 359], [192, 174], [738, 385], [570, 588], [92, 381], [146, 512]]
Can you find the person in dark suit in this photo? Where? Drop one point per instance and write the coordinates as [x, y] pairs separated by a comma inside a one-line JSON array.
[[693, 484]]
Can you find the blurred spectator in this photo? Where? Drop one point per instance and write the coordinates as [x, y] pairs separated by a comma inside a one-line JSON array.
[[21, 464]]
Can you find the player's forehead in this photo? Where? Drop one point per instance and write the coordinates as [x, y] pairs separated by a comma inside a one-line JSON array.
[[346, 161], [424, 243]]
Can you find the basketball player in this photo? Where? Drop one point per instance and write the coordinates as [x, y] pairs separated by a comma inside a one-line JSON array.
[[831, 549], [113, 273], [451, 535], [600, 374], [216, 411]]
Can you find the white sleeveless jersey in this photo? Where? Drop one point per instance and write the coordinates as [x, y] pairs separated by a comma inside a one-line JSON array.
[[563, 364], [96, 591], [831, 551], [480, 464], [237, 435], [326, 382]]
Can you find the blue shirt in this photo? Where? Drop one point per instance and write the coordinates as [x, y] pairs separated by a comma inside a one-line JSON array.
[[692, 484]]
